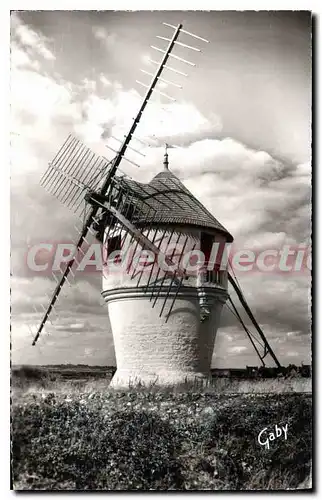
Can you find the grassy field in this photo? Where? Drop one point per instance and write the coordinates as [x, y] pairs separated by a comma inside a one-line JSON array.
[[80, 435], [83, 379]]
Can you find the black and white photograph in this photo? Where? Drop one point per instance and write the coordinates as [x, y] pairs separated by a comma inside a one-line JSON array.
[[160, 227]]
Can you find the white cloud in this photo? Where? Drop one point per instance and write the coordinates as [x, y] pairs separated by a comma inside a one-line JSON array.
[[104, 36], [237, 349], [293, 354], [98, 110], [259, 199], [160, 122], [104, 80], [294, 334], [20, 58], [29, 39], [174, 121], [76, 326], [264, 239], [89, 84], [304, 171], [39, 95]]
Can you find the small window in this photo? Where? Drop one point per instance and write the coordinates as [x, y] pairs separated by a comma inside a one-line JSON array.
[[113, 244], [206, 242]]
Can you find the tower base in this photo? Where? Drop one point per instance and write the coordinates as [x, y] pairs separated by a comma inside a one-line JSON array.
[[161, 345]]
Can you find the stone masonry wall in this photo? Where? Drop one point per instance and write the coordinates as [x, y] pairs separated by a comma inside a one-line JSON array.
[[148, 348]]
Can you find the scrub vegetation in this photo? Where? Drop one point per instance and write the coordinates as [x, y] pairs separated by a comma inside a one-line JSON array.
[[68, 438]]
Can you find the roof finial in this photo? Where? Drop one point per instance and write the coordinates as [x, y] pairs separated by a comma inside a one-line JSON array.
[[166, 161]]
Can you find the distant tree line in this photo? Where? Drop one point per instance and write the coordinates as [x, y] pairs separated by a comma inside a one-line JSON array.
[[263, 372], [29, 372]]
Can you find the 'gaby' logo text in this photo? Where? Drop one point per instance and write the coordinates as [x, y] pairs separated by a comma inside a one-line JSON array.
[[265, 437]]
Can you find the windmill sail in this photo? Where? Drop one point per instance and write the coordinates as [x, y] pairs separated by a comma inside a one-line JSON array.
[[76, 171], [89, 185], [265, 344]]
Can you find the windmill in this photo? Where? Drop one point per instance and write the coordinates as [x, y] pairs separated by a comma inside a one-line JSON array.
[[164, 318]]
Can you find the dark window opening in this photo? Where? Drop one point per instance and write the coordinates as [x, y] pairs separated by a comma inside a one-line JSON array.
[[102, 222], [206, 242], [112, 244]]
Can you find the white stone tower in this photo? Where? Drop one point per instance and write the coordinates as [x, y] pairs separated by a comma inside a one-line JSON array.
[[148, 348]]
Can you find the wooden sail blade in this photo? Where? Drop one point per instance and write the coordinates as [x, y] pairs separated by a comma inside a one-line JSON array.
[[66, 272], [134, 231], [136, 120], [72, 172], [253, 320], [237, 315], [76, 171], [65, 176], [178, 286], [187, 33]]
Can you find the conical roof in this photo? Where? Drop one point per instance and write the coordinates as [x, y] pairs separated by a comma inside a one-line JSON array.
[[174, 204]]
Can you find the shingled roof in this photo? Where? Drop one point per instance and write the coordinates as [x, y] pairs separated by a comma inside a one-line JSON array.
[[173, 203]]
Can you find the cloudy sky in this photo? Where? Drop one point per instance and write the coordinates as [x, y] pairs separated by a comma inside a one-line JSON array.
[[242, 127]]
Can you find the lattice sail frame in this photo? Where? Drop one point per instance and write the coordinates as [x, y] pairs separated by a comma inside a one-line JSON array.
[[137, 216], [76, 171], [77, 175]]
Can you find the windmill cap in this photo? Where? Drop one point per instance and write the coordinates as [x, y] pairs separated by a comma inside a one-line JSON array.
[[174, 204]]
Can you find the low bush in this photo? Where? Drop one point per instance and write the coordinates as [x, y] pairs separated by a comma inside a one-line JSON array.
[[158, 441]]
